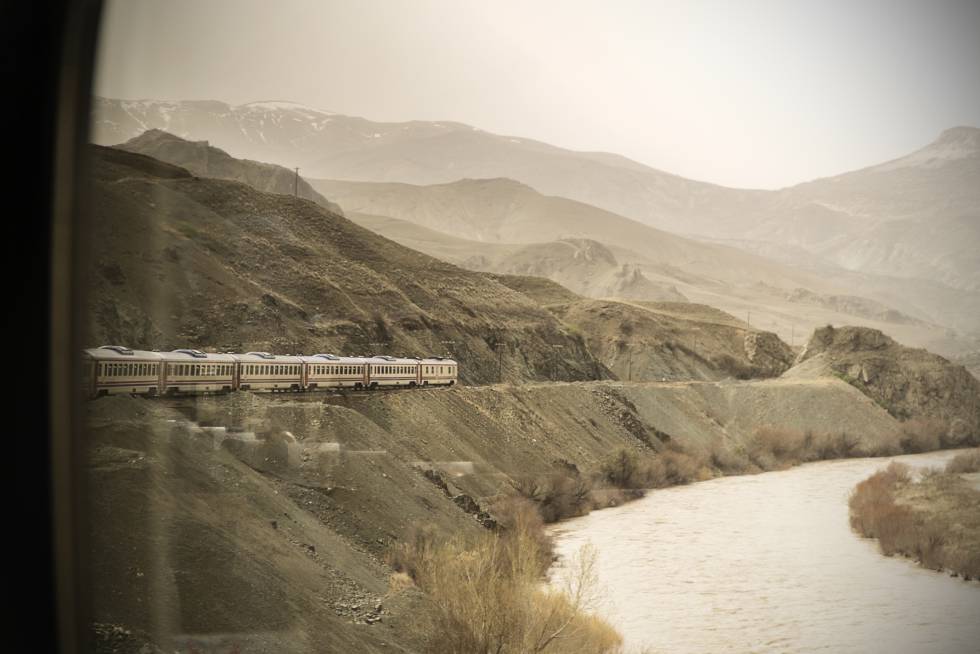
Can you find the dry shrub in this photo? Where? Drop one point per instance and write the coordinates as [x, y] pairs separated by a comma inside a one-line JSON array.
[[922, 435], [623, 469], [564, 493], [771, 448], [487, 597], [964, 462], [398, 582], [419, 543], [729, 462], [837, 445], [515, 514], [898, 528], [672, 466], [776, 448], [679, 466]]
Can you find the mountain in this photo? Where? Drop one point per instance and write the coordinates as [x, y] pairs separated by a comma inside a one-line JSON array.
[[184, 261], [903, 233], [504, 226], [933, 193], [584, 266], [505, 211], [204, 160]]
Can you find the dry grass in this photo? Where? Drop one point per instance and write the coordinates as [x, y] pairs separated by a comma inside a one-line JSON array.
[[935, 521], [965, 462], [922, 435], [487, 596], [563, 493]]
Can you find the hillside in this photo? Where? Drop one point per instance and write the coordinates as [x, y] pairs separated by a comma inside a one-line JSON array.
[[284, 507], [481, 224], [908, 382], [182, 261], [914, 217], [644, 343], [204, 160], [584, 266]]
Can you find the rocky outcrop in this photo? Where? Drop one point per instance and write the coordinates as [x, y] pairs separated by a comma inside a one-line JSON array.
[[767, 353], [907, 382]]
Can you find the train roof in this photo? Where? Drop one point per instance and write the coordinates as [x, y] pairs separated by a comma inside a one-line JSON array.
[[439, 361], [334, 358], [196, 356], [121, 353], [266, 357], [381, 359]]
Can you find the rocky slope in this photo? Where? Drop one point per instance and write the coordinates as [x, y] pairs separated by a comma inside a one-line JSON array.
[[182, 261], [204, 160], [909, 383], [642, 342], [261, 523]]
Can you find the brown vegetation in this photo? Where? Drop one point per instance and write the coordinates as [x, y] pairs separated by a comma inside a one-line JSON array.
[[486, 596], [935, 521], [965, 462]]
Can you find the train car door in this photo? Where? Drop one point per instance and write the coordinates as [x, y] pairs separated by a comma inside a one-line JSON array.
[[418, 374], [162, 378], [236, 375]]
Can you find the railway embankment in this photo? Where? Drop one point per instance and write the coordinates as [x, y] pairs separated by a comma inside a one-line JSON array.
[[285, 507]]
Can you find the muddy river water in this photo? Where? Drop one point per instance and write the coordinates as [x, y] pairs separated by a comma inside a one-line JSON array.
[[768, 563]]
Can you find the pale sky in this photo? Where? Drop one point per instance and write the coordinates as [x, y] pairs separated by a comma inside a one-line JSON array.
[[746, 93]]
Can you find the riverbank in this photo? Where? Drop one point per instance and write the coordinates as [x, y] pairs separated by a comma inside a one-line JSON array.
[[287, 507], [767, 563], [933, 518]]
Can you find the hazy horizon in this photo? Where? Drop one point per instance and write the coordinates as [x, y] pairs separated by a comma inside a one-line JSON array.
[[764, 95]]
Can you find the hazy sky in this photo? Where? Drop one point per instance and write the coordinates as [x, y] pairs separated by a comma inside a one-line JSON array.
[[762, 93]]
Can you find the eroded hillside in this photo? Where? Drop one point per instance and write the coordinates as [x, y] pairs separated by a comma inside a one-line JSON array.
[[262, 522], [183, 261], [908, 382]]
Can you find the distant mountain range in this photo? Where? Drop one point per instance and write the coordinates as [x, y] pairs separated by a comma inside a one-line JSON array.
[[904, 234]]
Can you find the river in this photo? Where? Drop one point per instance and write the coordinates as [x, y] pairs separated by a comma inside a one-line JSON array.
[[768, 563]]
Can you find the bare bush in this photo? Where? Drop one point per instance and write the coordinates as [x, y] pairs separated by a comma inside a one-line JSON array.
[[965, 462], [487, 597], [564, 493], [515, 514], [922, 435], [623, 469], [937, 539]]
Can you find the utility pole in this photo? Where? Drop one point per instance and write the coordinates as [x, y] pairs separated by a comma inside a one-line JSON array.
[[748, 318], [500, 362], [554, 361], [296, 184], [629, 365]]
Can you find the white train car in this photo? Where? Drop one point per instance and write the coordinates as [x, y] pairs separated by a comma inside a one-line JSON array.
[[438, 371], [332, 371], [384, 371], [262, 371], [194, 371], [114, 369]]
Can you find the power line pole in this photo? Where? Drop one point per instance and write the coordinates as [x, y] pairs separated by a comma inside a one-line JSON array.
[[296, 184], [629, 365]]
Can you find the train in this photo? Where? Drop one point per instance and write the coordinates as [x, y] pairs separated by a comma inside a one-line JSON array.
[[117, 370]]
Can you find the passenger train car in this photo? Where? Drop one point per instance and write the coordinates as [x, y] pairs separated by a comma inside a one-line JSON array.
[[114, 369]]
